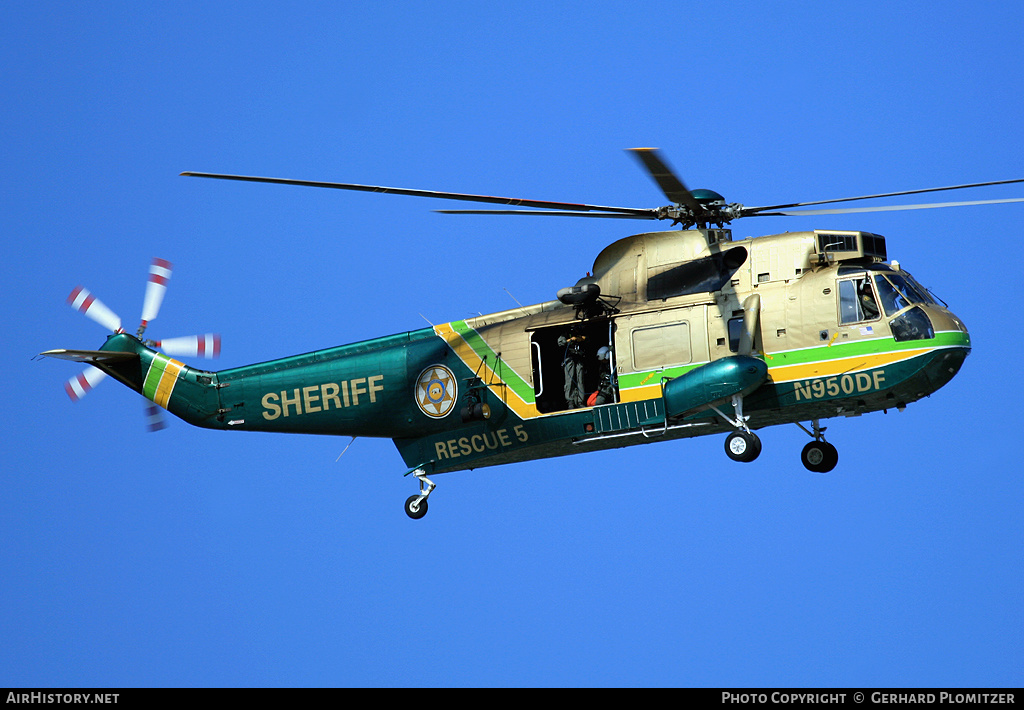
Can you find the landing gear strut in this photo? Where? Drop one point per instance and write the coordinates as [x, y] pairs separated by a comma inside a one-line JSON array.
[[819, 456], [741, 445], [416, 506]]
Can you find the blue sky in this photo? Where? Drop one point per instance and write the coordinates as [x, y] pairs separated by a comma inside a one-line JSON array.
[[198, 558]]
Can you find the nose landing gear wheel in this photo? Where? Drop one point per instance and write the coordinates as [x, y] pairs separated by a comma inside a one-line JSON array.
[[743, 446], [416, 507], [819, 457]]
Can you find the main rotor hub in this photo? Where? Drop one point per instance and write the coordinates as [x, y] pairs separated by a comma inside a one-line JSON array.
[[708, 197], [708, 207]]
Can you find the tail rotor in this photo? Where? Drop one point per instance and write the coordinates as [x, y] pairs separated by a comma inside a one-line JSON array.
[[83, 301]]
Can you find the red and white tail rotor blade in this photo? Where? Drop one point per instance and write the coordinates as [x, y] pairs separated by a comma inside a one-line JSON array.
[[159, 275], [79, 385], [154, 417], [84, 302], [207, 346]]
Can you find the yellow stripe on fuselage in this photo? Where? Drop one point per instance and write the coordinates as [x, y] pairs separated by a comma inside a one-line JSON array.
[[803, 371], [167, 381], [841, 365], [637, 394], [469, 357]]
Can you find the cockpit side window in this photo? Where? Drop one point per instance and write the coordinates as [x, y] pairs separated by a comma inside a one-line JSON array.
[[857, 301]]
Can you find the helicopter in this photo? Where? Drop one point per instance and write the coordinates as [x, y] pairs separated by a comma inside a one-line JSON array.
[[673, 334]]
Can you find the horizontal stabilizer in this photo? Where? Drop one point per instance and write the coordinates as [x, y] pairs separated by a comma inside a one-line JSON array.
[[91, 356]]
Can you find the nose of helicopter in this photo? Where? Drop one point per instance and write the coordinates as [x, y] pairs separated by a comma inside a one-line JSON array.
[[951, 328], [953, 347]]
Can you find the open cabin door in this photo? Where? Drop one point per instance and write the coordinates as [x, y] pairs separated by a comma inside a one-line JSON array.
[[569, 367]]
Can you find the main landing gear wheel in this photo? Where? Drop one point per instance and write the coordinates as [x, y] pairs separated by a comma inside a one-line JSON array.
[[743, 446], [416, 507], [819, 457]]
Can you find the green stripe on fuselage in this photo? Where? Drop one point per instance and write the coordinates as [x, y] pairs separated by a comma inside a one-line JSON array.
[[873, 346], [156, 371], [484, 351]]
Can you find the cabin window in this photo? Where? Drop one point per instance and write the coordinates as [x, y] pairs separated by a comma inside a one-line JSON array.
[[660, 346], [857, 301]]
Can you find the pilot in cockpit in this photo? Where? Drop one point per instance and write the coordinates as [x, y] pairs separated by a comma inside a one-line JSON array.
[[867, 300]]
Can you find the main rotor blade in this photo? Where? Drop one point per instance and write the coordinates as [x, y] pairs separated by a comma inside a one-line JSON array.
[[512, 201], [749, 211], [886, 208], [666, 178], [650, 214]]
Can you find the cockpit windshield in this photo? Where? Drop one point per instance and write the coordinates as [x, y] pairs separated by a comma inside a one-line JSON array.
[[897, 292], [932, 298]]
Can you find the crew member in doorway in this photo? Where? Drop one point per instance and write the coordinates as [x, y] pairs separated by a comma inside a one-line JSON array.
[[572, 366], [603, 394]]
